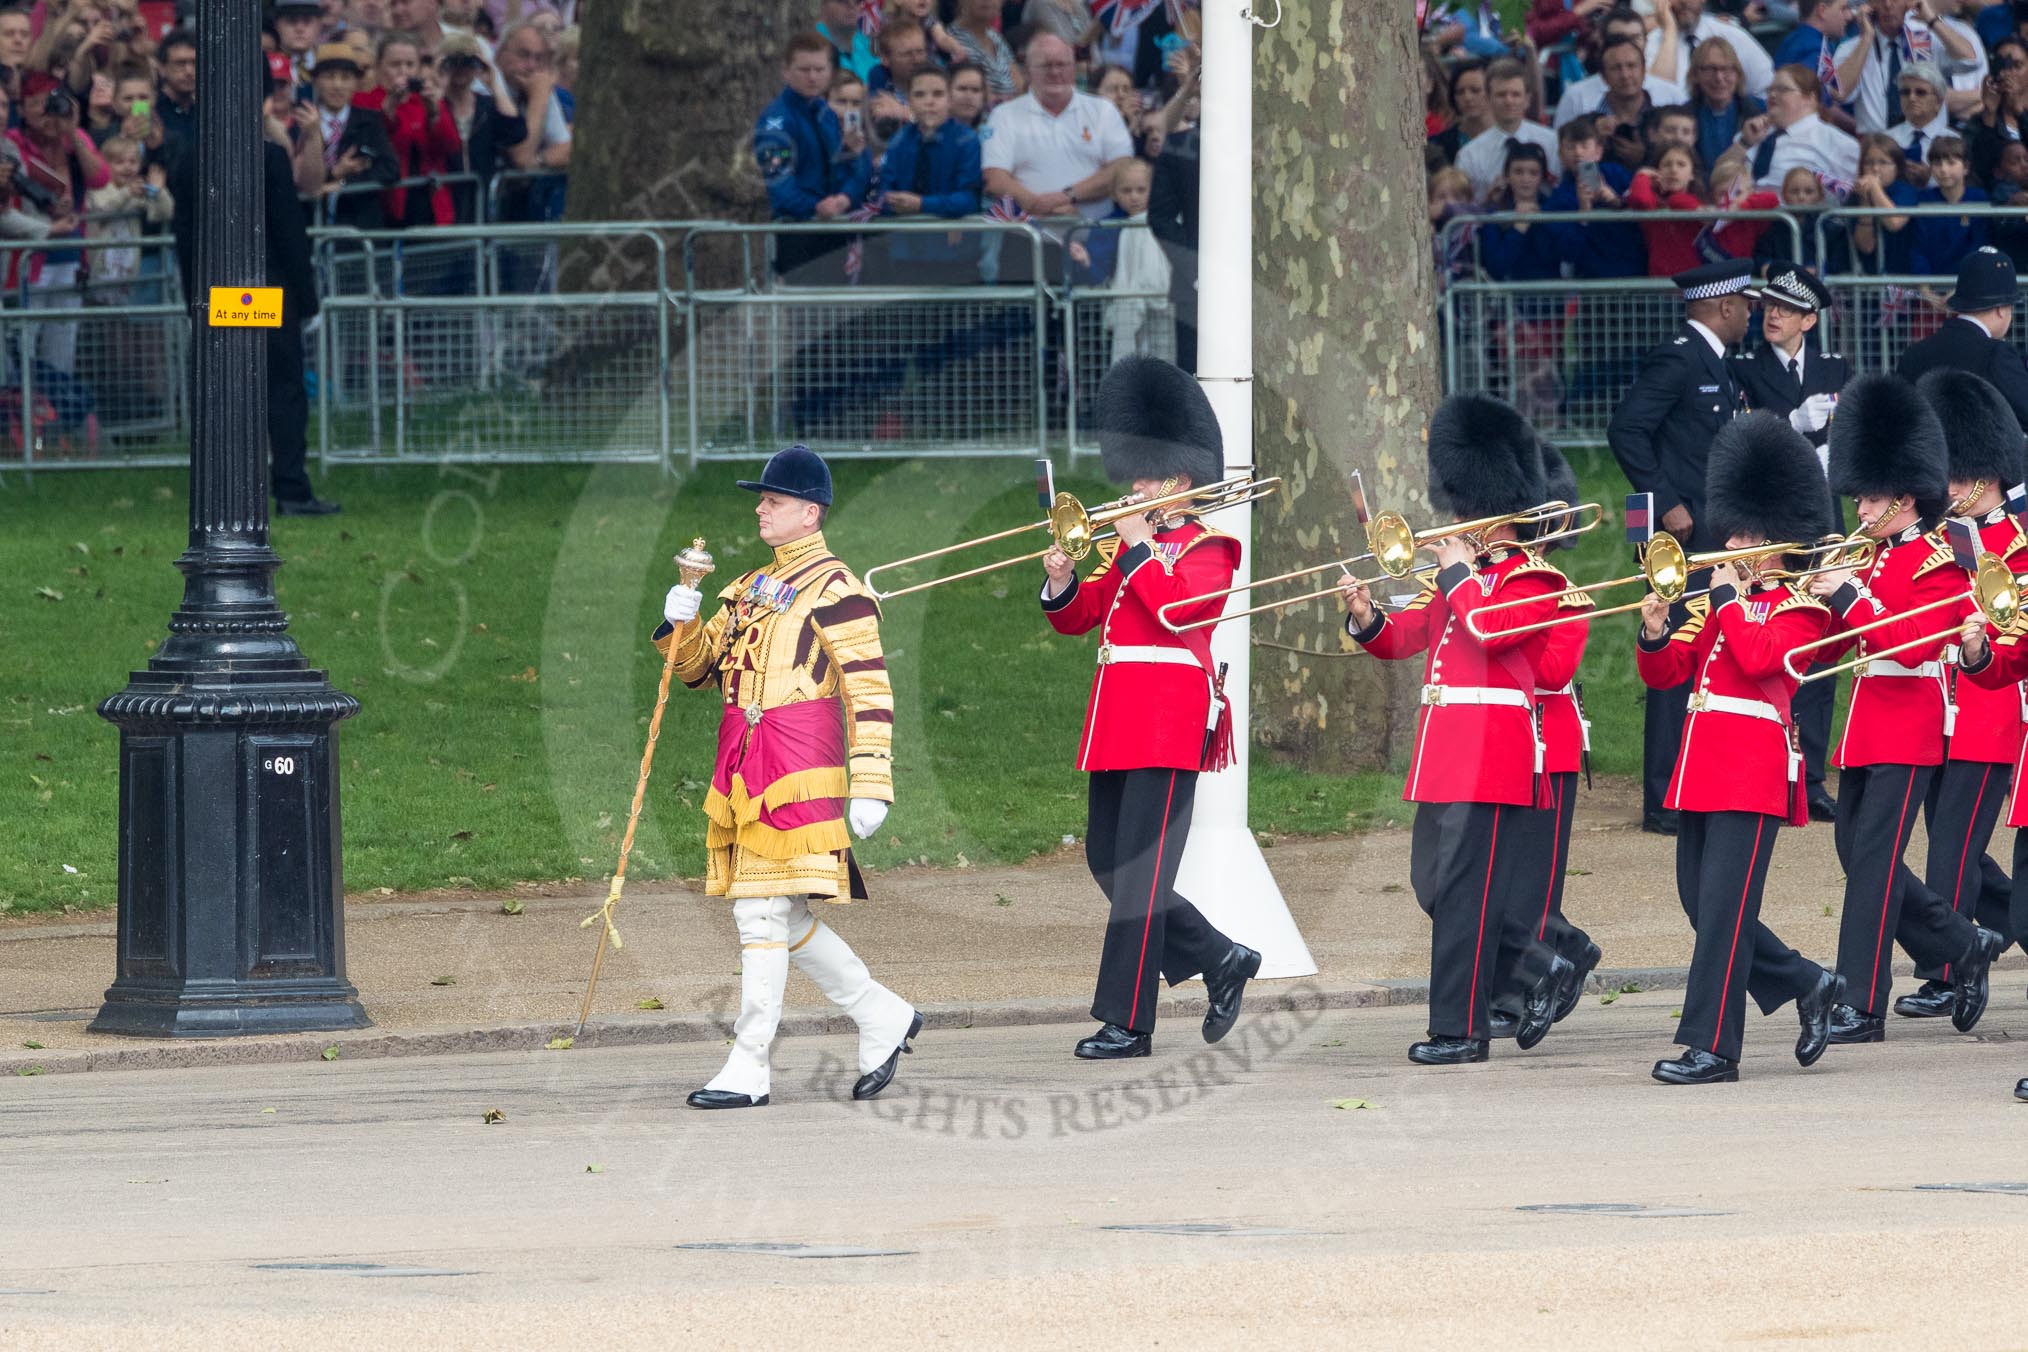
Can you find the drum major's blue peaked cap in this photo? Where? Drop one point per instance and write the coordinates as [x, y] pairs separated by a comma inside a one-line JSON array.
[[795, 472]]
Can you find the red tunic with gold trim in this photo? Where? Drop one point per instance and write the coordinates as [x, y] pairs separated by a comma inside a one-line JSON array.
[[2001, 676], [1988, 727], [795, 650], [1739, 752], [1897, 709], [1566, 733], [1151, 697], [1475, 737]]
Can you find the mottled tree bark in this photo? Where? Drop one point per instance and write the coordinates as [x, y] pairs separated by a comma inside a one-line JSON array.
[[666, 130], [1345, 357]]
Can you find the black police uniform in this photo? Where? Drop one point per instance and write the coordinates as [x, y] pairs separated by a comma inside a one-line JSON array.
[[1660, 434]]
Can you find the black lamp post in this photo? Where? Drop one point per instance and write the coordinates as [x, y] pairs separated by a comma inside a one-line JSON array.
[[230, 883]]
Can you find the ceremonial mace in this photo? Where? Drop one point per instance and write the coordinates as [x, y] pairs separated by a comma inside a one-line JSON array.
[[694, 565]]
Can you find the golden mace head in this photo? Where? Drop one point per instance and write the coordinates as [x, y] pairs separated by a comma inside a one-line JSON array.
[[695, 563]]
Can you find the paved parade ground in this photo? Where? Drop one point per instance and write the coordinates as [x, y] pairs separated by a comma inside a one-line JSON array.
[[1002, 1193]]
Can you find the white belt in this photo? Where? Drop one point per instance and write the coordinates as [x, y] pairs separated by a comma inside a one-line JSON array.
[[1475, 694], [1570, 689], [1703, 702], [1882, 666], [1112, 654], [1583, 723]]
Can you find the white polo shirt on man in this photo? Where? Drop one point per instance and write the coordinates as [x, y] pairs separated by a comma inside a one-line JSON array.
[[1050, 152]]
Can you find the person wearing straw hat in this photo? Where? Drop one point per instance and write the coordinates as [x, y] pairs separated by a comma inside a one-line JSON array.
[[803, 766], [1737, 779], [1888, 454], [1476, 773], [1157, 715], [1974, 338]]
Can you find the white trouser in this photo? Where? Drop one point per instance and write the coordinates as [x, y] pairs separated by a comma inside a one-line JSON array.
[[766, 925], [821, 955]]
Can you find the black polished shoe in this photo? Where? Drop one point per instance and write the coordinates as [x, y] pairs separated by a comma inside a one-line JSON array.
[[1933, 1000], [1223, 988], [1848, 1025], [724, 1098], [1449, 1051], [1971, 977], [1823, 807], [314, 507], [1503, 1024], [875, 1080], [1695, 1066], [1572, 989], [1538, 1010], [1112, 1043], [1659, 823], [1814, 1009]]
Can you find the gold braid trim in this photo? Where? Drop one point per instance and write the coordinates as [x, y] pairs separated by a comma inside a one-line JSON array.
[[769, 843], [798, 786]]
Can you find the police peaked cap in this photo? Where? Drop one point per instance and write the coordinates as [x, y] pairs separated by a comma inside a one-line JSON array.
[[1484, 458], [1154, 422], [1763, 478], [1886, 442], [1981, 435], [1559, 484]]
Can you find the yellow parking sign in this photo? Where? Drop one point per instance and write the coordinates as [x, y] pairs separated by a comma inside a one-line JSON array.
[[246, 307]]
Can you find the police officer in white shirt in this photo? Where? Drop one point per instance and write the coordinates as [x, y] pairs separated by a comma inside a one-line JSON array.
[[1799, 136], [1053, 149], [1484, 158], [1894, 35]]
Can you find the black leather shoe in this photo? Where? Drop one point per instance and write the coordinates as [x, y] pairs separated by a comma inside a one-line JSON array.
[[1814, 1009], [2021, 1090], [1223, 988], [875, 1080], [1823, 807], [1112, 1042], [313, 507], [725, 1098], [1539, 1009], [1934, 1000], [1449, 1051], [1695, 1066], [1971, 977], [1503, 1024], [1572, 989], [1659, 823], [1848, 1025]]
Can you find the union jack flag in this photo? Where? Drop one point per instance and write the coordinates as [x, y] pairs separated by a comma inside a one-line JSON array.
[[1122, 17], [869, 17], [1005, 209], [855, 252]]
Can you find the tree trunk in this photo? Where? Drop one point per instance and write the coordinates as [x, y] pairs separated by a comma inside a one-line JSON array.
[[665, 130], [1345, 365]]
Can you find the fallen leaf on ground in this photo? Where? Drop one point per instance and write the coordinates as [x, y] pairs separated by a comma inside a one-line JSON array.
[[49, 593], [266, 1111], [443, 981], [560, 1044], [1351, 1105], [33, 1046], [510, 908], [650, 1003], [595, 1168], [30, 1070], [330, 1053], [493, 1117]]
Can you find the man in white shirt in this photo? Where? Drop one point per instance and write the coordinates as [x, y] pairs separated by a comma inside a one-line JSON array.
[[1692, 26], [1893, 35], [1484, 158], [1922, 108], [1800, 138], [1582, 96], [1053, 149]]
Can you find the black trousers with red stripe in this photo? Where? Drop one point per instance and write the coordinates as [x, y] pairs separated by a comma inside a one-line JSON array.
[[1721, 867], [1960, 813], [1885, 903], [1545, 855], [1464, 865], [1135, 830]]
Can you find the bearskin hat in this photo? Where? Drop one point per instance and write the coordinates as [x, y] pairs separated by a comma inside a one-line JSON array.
[[1885, 442], [1484, 458], [1559, 484], [1763, 478], [1981, 435], [1154, 421]]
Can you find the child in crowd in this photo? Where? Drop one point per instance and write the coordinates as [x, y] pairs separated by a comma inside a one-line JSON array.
[[1450, 196], [968, 94], [931, 169], [1139, 323], [1732, 188], [1938, 244], [2010, 175], [847, 98], [1597, 247], [1668, 182], [130, 205], [1523, 251], [1880, 243], [1803, 194], [1097, 253], [1672, 125]]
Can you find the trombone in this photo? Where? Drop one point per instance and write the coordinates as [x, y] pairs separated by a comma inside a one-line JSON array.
[[1075, 528], [1393, 545], [1667, 569], [1994, 590]]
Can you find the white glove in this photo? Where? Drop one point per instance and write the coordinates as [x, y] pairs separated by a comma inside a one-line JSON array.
[[866, 815], [680, 607], [1824, 458], [1814, 413]]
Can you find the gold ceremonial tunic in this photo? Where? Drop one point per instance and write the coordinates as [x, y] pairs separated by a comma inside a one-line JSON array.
[[808, 719]]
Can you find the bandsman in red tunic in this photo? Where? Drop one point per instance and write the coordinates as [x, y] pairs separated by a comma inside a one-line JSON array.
[[1478, 771], [1156, 717], [1888, 454], [1985, 725], [1739, 772]]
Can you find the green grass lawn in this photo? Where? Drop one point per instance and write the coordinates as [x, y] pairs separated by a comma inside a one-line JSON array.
[[493, 625]]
